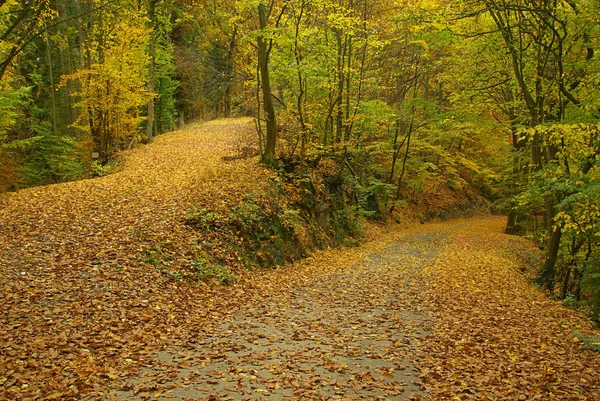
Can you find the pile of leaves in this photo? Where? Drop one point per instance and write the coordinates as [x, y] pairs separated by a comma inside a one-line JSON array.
[[96, 275]]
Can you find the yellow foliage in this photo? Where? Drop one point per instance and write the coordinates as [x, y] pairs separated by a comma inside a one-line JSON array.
[[113, 89]]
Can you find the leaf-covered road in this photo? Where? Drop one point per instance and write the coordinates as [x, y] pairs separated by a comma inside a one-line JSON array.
[[434, 312], [348, 330], [437, 311], [79, 297]]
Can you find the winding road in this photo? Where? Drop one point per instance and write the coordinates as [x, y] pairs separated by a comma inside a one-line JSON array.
[[93, 306]]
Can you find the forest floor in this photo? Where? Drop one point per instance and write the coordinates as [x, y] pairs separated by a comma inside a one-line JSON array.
[[440, 311]]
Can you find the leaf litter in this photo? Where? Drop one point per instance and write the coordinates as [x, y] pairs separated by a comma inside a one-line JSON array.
[[439, 311], [494, 336]]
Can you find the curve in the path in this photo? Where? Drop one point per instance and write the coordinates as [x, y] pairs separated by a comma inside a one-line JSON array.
[[350, 335]]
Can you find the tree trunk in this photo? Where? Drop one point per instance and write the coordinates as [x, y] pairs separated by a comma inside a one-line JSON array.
[[150, 122], [65, 60], [565, 289], [51, 81], [511, 223], [181, 119], [403, 171], [546, 276], [263, 63], [348, 88], [396, 150], [341, 57], [229, 73]]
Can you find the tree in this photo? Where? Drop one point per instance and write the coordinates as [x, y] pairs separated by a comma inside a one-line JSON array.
[[113, 86], [265, 45], [206, 39], [544, 69], [22, 21], [150, 119]]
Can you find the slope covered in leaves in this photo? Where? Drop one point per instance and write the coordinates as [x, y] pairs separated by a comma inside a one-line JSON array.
[[78, 296]]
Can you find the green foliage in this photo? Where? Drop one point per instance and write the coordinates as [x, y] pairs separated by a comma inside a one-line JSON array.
[[166, 86], [571, 179], [255, 232], [346, 224], [98, 169], [590, 342], [208, 272], [45, 158], [12, 101], [21, 145], [55, 159], [165, 83], [203, 219], [291, 219], [81, 87], [374, 197], [249, 217]]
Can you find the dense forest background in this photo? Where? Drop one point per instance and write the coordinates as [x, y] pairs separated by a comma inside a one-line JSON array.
[[388, 102]]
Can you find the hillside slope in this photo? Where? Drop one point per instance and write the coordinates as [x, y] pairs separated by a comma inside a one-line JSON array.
[[74, 257]]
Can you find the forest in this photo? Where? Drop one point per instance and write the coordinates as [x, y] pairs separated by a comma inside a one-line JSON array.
[[397, 98], [195, 140]]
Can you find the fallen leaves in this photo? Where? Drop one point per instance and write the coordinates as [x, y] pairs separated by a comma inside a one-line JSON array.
[[299, 336], [79, 297], [85, 314], [494, 335]]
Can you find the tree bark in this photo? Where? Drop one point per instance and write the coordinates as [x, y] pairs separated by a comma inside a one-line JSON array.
[[229, 73], [341, 58], [403, 171], [512, 222], [51, 81], [150, 122], [546, 276], [269, 109]]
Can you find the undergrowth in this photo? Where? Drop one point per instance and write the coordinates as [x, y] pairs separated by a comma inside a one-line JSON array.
[[208, 272], [590, 342], [305, 207]]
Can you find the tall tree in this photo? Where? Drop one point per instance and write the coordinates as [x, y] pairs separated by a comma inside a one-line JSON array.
[[265, 45], [150, 119], [113, 86]]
